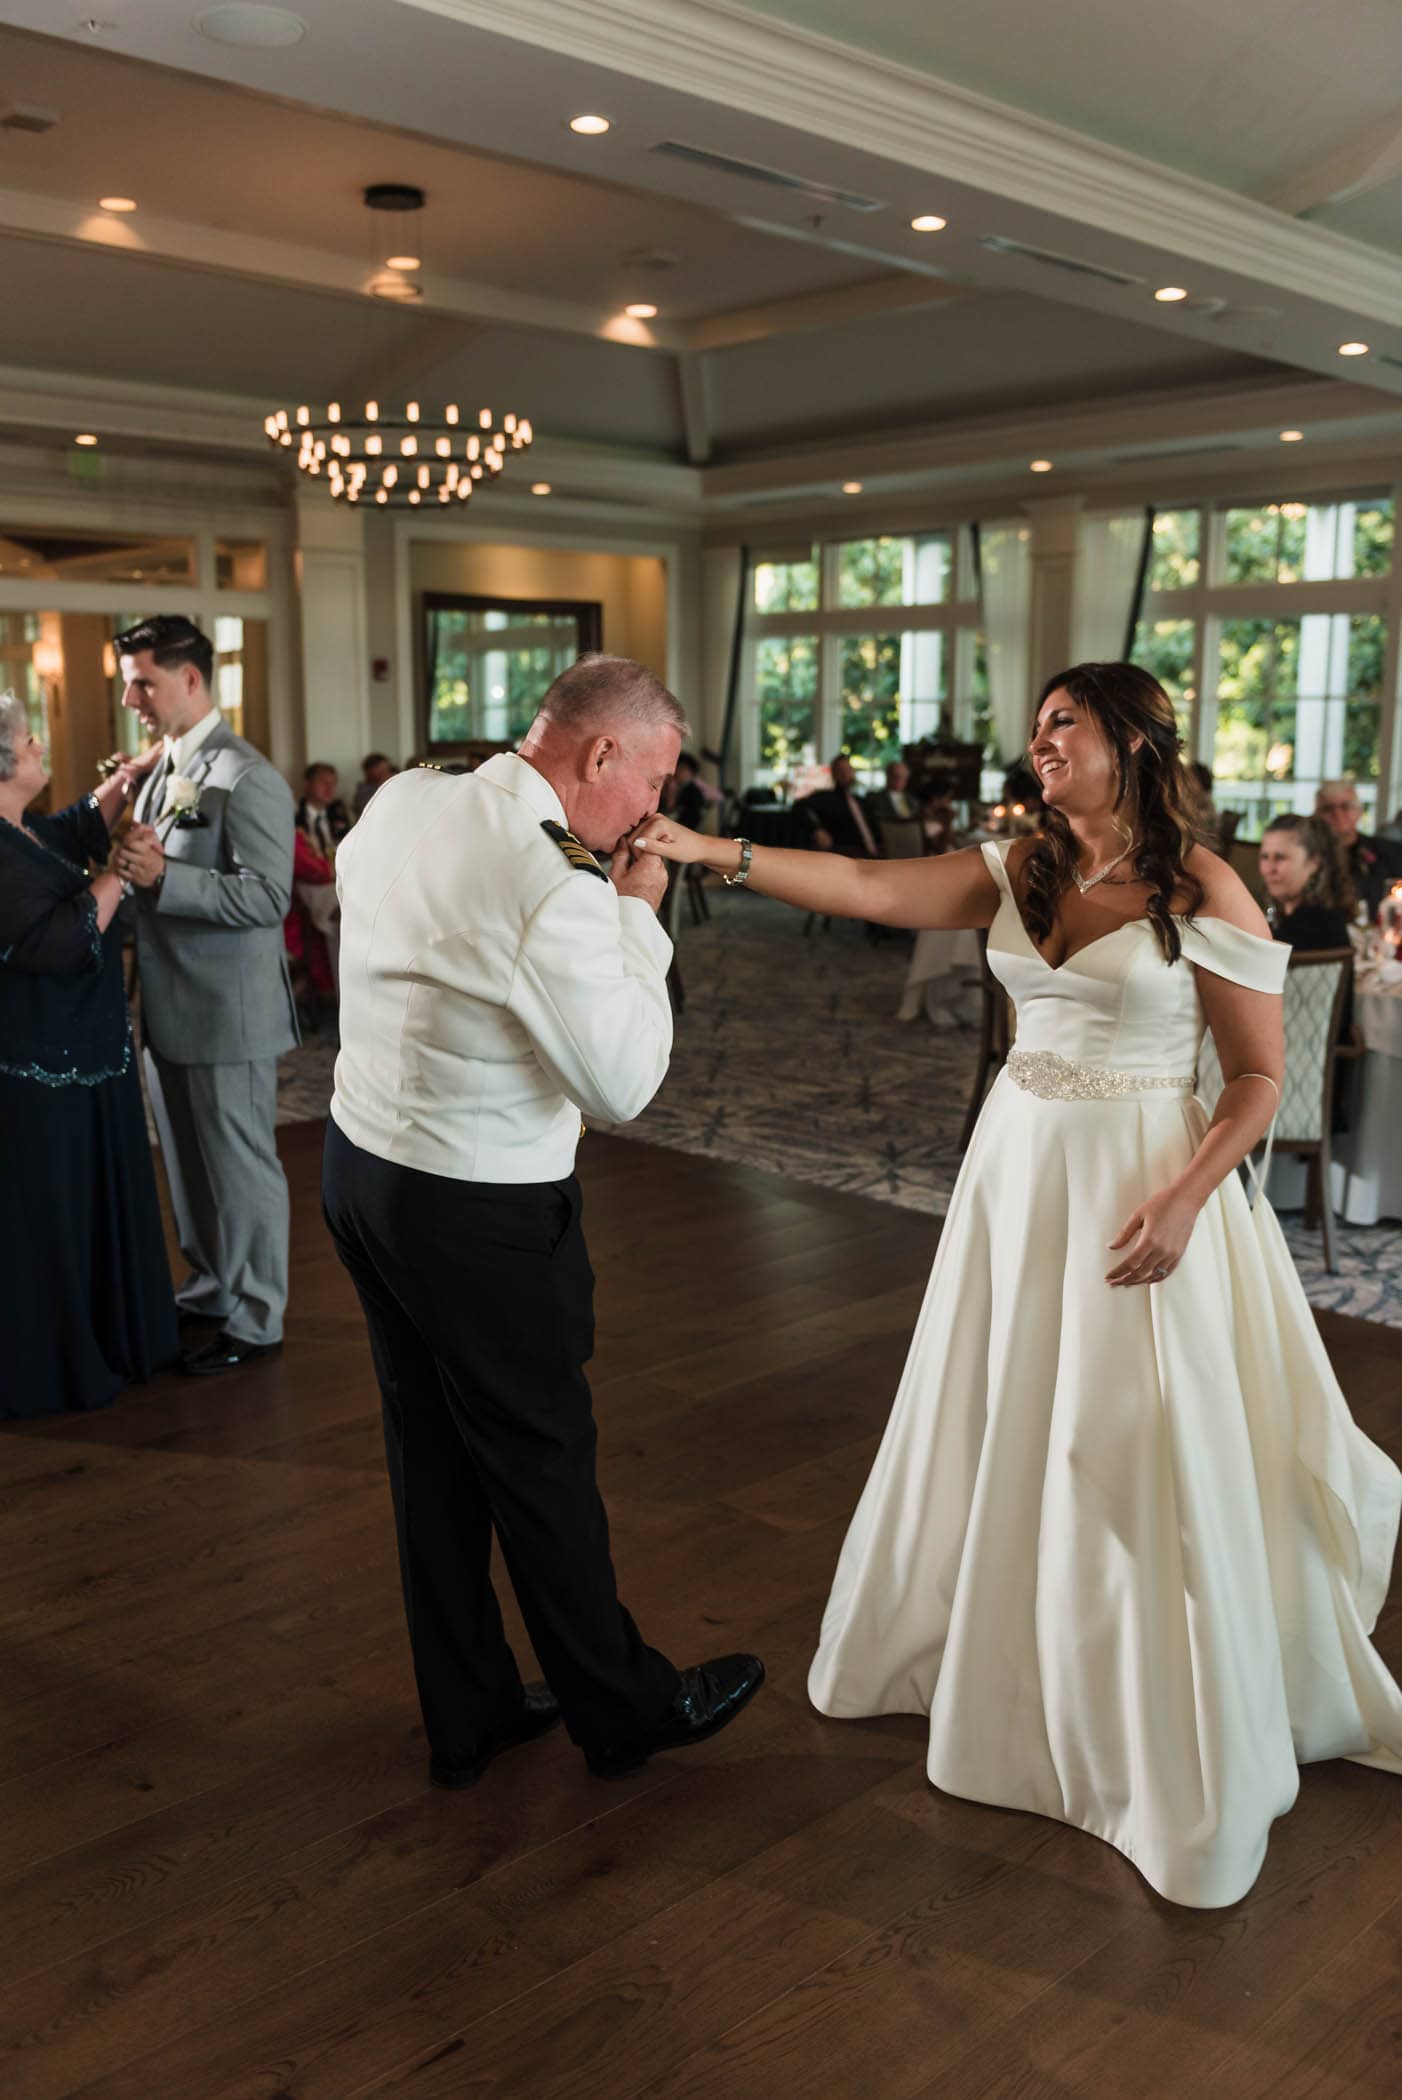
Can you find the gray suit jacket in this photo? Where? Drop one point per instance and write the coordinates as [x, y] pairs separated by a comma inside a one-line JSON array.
[[214, 981]]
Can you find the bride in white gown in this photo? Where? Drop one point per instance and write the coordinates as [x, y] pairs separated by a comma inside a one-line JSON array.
[[1123, 1543]]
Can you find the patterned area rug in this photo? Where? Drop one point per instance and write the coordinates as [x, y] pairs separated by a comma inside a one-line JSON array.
[[789, 1057]]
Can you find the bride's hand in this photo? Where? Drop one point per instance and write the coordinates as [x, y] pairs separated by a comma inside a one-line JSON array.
[[1156, 1235], [659, 835]]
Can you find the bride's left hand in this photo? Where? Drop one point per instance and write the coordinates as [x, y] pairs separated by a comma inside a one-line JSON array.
[[1156, 1235]]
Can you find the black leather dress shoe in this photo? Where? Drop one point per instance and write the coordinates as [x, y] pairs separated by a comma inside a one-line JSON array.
[[540, 1711], [711, 1695], [225, 1353]]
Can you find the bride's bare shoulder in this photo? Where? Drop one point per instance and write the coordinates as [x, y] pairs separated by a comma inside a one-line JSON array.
[[1224, 894]]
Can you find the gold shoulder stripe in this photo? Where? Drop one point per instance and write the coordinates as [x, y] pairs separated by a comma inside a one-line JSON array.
[[574, 850]]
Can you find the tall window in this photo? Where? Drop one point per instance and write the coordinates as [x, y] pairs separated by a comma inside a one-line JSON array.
[[1267, 625], [860, 646], [488, 664]]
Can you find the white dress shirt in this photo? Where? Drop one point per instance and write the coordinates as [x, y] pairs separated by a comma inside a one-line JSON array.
[[180, 752], [491, 991]]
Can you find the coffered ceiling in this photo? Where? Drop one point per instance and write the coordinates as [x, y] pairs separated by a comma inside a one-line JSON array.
[[1083, 157]]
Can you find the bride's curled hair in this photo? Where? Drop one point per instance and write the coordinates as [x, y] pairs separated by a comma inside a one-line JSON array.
[[1127, 703]]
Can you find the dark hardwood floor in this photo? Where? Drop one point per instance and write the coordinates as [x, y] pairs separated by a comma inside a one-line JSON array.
[[222, 1873]]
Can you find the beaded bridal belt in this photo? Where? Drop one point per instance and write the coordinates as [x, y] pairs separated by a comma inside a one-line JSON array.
[[1054, 1078]]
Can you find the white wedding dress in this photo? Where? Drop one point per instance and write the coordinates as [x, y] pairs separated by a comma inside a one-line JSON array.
[[1124, 1547]]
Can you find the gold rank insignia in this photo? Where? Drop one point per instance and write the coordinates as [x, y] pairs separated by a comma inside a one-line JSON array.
[[574, 850]]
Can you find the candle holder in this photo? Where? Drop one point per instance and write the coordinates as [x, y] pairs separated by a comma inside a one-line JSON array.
[[1390, 922]]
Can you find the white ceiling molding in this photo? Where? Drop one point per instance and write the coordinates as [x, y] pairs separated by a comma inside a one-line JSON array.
[[60, 403], [801, 311], [1065, 435], [1090, 444], [284, 262], [1353, 170], [708, 49]]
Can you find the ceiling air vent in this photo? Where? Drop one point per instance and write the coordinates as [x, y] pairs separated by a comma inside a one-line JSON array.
[[1134, 459], [27, 116], [775, 178], [1385, 357], [997, 244]]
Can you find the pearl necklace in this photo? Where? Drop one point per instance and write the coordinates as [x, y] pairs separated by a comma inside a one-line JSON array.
[[1088, 882]]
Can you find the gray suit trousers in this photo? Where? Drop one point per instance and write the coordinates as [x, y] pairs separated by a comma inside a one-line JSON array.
[[227, 1189]]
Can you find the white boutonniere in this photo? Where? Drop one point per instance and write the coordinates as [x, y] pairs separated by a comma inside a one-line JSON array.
[[182, 802]]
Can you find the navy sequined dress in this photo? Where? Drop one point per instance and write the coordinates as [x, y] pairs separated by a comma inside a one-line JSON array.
[[86, 1277]]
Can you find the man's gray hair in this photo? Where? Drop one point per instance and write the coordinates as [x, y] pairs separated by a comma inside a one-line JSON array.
[[14, 731], [599, 693]]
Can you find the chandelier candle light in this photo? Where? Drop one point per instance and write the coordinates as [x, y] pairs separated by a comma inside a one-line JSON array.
[[399, 460]]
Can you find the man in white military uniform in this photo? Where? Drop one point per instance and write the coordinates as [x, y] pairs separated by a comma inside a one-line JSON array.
[[495, 983]]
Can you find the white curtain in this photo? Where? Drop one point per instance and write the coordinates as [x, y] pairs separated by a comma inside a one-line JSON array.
[[1109, 551], [1005, 569]]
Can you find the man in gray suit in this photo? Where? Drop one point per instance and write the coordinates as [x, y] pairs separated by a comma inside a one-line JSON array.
[[209, 856]]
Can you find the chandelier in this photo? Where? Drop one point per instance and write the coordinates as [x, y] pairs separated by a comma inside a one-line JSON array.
[[398, 460], [401, 460]]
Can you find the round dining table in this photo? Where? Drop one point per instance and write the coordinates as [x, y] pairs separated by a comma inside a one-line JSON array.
[[1368, 1157]]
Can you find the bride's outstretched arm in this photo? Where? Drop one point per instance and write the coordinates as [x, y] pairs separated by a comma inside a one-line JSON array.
[[947, 890]]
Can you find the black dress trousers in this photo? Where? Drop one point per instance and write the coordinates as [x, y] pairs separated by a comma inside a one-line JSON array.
[[479, 1301]]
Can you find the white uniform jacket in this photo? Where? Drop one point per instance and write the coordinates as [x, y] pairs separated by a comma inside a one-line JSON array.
[[493, 988]]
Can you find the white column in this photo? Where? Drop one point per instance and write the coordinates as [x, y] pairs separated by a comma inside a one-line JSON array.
[[330, 567], [1054, 521]]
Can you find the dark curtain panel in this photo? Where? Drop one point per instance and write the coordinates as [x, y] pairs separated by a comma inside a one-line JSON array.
[[1141, 580]]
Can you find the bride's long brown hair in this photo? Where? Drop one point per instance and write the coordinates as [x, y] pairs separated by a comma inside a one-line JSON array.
[[1126, 702]]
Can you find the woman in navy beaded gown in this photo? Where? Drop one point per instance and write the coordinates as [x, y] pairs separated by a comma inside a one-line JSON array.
[[85, 1262]]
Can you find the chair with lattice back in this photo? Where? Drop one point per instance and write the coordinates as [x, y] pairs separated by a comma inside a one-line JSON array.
[[1315, 988]]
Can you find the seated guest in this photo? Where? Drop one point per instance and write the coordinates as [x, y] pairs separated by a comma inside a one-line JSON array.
[[86, 1278], [313, 888], [320, 813], [893, 804], [1310, 901], [1373, 865], [684, 796], [835, 817], [375, 769], [1310, 904]]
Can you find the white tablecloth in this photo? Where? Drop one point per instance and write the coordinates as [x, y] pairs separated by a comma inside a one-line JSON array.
[[943, 979]]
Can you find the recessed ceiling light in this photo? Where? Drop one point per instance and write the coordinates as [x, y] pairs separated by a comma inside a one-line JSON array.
[[928, 222], [85, 437], [1353, 349], [1291, 437], [641, 310], [402, 262], [590, 127], [248, 26], [1169, 293], [851, 488], [116, 204], [540, 488], [396, 288], [1040, 466]]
